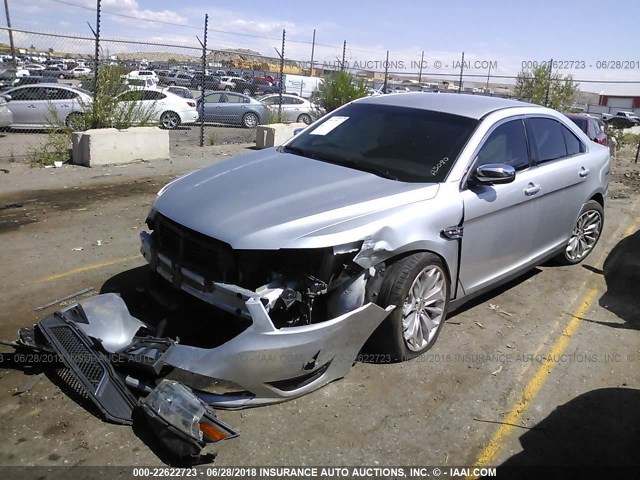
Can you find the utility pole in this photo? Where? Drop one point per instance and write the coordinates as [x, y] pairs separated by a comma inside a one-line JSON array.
[[13, 49], [313, 47], [488, 75], [344, 54], [421, 62]]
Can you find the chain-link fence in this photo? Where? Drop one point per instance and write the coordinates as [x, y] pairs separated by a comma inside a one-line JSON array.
[[208, 95]]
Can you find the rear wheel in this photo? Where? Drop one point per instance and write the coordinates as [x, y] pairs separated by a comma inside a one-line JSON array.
[[418, 286], [304, 118], [75, 121], [585, 235], [250, 120], [170, 120], [246, 91]]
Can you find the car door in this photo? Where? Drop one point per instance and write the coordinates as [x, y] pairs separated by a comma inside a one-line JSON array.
[[563, 173], [500, 221], [234, 108], [23, 105], [59, 103], [212, 111]]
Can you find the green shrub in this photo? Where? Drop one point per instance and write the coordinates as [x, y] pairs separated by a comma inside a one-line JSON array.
[[339, 89]]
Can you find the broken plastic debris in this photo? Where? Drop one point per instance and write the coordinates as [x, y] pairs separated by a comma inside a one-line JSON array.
[[479, 324], [99, 243], [497, 371], [77, 249]]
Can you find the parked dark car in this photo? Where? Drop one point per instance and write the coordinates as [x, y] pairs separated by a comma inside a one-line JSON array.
[[211, 82], [56, 72], [593, 127], [261, 87], [31, 80]]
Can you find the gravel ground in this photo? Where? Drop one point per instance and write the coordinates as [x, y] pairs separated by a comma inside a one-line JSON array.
[[62, 230]]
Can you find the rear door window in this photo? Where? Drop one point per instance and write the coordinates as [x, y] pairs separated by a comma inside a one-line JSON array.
[[546, 139]]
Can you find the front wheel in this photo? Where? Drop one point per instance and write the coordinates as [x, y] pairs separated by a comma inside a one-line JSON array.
[[250, 120], [246, 91], [170, 120], [418, 286], [585, 234]]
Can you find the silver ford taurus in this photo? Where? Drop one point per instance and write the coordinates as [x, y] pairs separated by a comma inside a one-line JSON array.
[[371, 225]]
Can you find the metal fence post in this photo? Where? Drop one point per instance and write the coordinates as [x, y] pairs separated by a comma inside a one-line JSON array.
[[313, 48], [96, 61], [637, 153], [546, 95], [280, 82], [11, 45], [386, 74], [204, 68], [461, 73], [420, 73], [344, 53]]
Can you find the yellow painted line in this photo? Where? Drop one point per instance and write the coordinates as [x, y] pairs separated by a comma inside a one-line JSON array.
[[87, 268], [490, 452], [534, 386]]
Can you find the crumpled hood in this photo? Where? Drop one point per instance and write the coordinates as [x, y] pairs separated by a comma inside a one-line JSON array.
[[272, 200]]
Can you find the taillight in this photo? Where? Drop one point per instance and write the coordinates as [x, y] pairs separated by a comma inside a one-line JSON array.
[[191, 104]]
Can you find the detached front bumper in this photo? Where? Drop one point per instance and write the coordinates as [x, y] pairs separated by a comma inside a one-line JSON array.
[[267, 364]]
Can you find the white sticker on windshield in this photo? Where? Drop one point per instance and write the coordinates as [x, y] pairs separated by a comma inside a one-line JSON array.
[[329, 125]]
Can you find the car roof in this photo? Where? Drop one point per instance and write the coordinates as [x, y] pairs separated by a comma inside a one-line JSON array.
[[462, 104]]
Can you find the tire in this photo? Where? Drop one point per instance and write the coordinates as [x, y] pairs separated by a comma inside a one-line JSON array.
[[172, 84], [227, 88], [61, 76], [585, 235], [170, 120], [250, 120], [418, 282], [246, 91], [304, 118], [74, 121]]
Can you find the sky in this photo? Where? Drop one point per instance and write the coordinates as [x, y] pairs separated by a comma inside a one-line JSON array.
[[509, 35]]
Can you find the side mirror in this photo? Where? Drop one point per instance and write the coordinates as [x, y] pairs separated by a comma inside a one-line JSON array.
[[493, 174], [7, 97], [296, 131]]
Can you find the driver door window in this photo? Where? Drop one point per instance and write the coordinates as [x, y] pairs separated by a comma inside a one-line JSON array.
[[506, 144]]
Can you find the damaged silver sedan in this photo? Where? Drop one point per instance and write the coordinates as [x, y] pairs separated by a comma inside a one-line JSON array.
[[370, 226]]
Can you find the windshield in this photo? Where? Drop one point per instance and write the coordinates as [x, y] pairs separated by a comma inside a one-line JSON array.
[[405, 144]]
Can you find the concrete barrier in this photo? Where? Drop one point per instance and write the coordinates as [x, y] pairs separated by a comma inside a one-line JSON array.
[[108, 146], [275, 134]]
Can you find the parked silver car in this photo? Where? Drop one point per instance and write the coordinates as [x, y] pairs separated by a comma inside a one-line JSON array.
[[371, 224], [294, 108], [6, 117], [47, 104], [233, 109]]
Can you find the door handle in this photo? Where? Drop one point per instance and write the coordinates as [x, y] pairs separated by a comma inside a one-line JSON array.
[[31, 106], [532, 189], [583, 172]]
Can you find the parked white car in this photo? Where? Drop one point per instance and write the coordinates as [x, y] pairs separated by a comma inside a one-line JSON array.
[[142, 74], [34, 66], [80, 72], [168, 109]]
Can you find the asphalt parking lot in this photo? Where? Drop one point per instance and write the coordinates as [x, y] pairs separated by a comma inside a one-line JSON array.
[[541, 371]]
